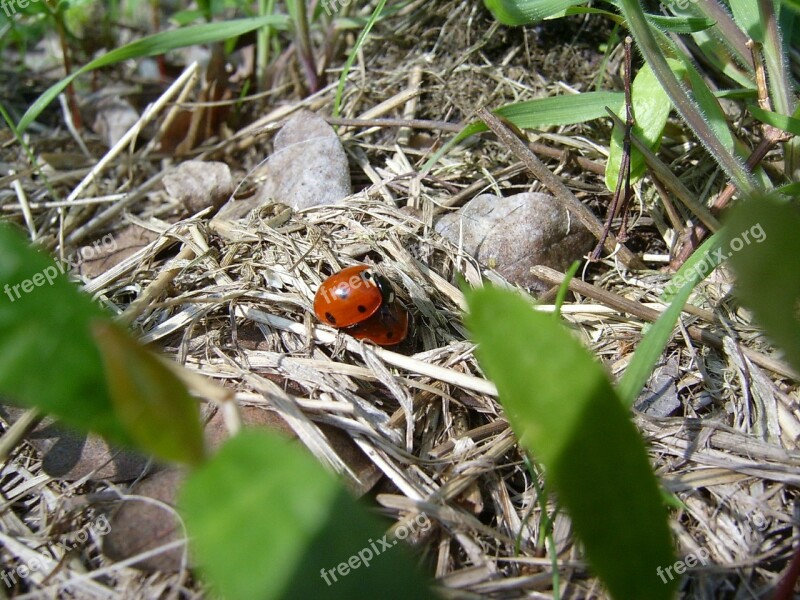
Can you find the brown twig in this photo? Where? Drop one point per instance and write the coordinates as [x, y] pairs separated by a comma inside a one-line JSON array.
[[785, 590], [622, 192]]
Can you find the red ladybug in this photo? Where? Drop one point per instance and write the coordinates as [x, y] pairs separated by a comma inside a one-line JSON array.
[[351, 296], [386, 327], [362, 303]]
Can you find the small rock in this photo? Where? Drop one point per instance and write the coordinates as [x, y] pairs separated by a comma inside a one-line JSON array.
[[101, 255], [138, 525], [660, 396], [70, 456], [308, 167], [199, 184], [513, 234]]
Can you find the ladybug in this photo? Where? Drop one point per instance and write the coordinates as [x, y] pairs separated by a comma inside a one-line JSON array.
[[387, 327], [352, 296]]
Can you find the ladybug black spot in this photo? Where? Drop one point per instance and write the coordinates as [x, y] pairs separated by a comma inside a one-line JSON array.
[[330, 318], [362, 308], [389, 335]]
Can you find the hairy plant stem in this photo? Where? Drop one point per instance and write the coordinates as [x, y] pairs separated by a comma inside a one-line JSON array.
[[778, 80]]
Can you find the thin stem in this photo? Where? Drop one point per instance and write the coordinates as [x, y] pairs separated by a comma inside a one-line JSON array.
[[778, 79], [264, 39], [732, 36], [303, 37]]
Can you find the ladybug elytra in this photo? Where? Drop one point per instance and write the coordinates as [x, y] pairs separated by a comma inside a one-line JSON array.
[[362, 302]]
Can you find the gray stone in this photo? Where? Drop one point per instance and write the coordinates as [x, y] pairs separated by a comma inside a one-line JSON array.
[[513, 234], [308, 166], [69, 455], [660, 396], [138, 525], [199, 184]]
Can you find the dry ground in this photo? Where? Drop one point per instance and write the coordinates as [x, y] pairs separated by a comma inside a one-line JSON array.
[[239, 305]]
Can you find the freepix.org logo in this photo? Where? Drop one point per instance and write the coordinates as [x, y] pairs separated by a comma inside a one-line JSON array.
[[10, 7], [364, 556], [99, 527], [708, 262], [332, 6], [105, 245]]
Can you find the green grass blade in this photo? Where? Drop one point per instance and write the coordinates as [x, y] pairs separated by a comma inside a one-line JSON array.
[[559, 110], [651, 348], [681, 24], [563, 408], [745, 13], [563, 289], [152, 45], [788, 124], [373, 18], [540, 113], [790, 189]]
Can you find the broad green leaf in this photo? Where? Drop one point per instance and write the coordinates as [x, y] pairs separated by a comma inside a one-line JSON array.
[[527, 12], [563, 409], [782, 122], [267, 521], [764, 249], [651, 348], [651, 108], [152, 45], [745, 13], [48, 359], [153, 404], [540, 113]]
